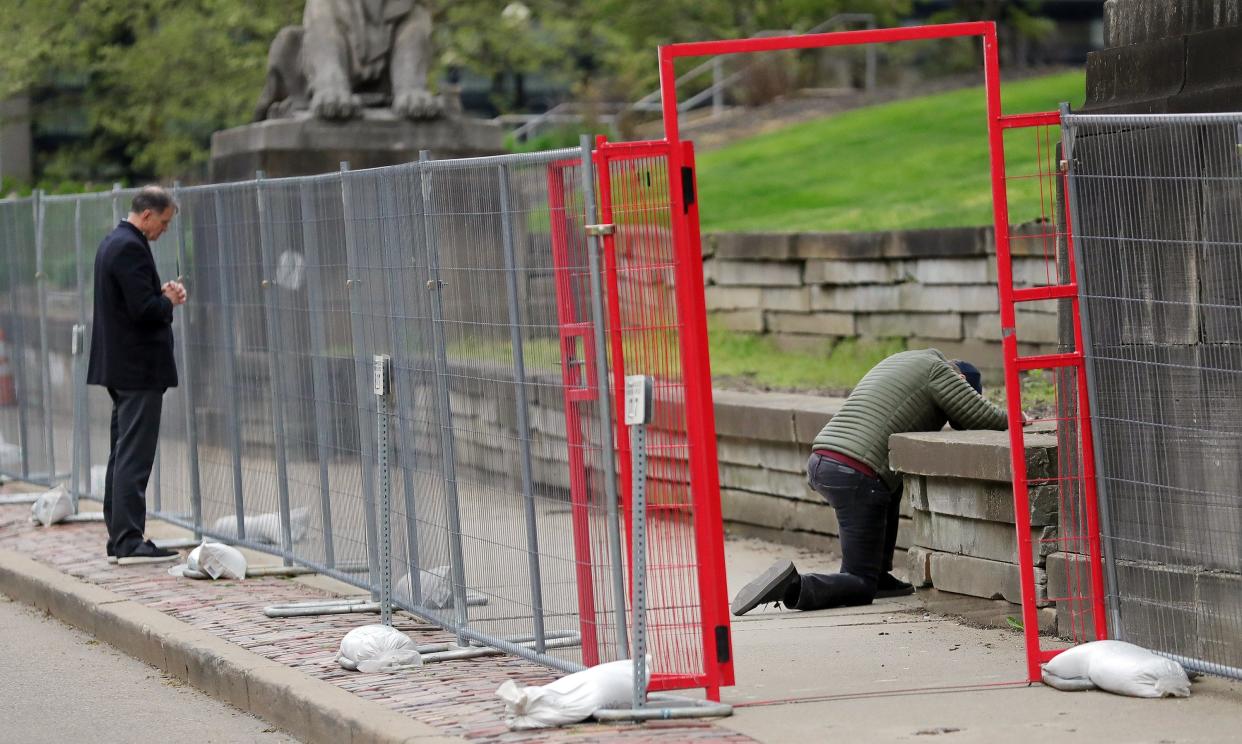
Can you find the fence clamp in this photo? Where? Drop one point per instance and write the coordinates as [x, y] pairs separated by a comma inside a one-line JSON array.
[[436, 284], [265, 283], [601, 230], [1063, 166]]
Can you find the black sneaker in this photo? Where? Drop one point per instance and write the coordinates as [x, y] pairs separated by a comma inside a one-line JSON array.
[[769, 586], [148, 553], [891, 586]]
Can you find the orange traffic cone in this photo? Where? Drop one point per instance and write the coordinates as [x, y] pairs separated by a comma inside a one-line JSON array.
[[8, 392]]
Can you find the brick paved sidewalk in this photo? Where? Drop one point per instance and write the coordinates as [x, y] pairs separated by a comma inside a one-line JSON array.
[[458, 698]]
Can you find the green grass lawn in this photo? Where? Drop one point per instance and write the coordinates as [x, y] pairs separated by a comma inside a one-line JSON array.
[[921, 162]]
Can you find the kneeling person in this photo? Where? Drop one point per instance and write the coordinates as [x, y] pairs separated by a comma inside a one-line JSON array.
[[910, 391]]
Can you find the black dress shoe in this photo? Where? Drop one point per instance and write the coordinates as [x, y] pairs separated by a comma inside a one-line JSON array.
[[891, 586], [148, 553], [770, 586]]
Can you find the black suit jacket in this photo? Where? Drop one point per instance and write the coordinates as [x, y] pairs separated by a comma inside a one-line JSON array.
[[132, 340]]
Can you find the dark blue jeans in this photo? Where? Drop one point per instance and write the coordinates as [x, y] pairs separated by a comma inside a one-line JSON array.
[[868, 514]]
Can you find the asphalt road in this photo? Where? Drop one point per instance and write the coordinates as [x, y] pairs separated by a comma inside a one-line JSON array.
[[58, 684]]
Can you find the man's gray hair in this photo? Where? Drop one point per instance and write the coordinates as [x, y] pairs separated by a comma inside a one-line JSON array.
[[155, 198]]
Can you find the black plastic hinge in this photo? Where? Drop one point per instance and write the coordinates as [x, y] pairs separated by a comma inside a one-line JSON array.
[[723, 653], [687, 188]]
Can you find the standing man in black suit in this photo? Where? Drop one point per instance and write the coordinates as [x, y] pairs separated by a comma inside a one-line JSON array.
[[132, 356]]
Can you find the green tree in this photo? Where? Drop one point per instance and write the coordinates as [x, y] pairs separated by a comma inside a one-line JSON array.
[[157, 77]]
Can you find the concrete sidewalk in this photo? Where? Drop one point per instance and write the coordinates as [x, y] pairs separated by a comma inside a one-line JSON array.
[[889, 672]]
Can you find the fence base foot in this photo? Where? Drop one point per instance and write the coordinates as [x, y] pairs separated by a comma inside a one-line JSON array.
[[83, 517], [322, 607], [666, 707]]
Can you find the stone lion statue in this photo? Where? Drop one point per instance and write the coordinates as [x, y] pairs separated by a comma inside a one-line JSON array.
[[348, 55]]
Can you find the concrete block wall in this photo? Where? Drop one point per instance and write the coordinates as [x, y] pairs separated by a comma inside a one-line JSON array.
[[933, 287]]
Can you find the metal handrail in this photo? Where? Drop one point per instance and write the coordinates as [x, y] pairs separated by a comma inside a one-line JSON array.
[[651, 101]]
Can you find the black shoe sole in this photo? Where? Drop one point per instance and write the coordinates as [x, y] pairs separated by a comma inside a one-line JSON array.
[[753, 593], [890, 593]]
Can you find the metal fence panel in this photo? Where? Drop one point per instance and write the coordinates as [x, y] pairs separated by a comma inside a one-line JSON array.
[[1158, 223], [478, 279]]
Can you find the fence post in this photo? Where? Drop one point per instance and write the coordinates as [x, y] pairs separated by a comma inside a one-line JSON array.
[[638, 397], [319, 366], [608, 449], [81, 458], [523, 412], [18, 353], [49, 436], [230, 366], [396, 286], [1068, 132], [182, 324], [275, 376], [382, 371], [449, 454], [365, 433]]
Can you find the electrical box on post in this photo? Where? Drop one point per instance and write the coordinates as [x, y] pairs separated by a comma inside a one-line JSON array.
[[637, 400]]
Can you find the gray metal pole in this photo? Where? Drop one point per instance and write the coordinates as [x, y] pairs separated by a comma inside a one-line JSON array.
[[319, 364], [181, 325], [362, 371], [638, 445], [394, 260], [18, 356], [448, 450], [49, 434], [523, 412], [274, 374], [608, 453], [717, 86], [1101, 485], [230, 366], [871, 51], [382, 371], [81, 412]]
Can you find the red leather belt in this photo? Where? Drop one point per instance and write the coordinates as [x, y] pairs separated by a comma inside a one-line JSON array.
[[847, 461]]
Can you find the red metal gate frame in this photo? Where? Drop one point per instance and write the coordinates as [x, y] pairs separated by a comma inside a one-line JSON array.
[[1009, 296]]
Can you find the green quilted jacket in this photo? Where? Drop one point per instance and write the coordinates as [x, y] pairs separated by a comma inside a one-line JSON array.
[[909, 391]]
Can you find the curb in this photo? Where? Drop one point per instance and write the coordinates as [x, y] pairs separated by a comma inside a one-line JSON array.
[[309, 709]]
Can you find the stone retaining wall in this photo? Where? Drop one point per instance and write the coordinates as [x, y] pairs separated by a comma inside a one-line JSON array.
[[933, 287]]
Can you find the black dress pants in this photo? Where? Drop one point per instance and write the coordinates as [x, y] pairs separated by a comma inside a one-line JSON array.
[[868, 514], [134, 433]]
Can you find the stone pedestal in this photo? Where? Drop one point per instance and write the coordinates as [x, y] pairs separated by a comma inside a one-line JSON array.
[[303, 145]]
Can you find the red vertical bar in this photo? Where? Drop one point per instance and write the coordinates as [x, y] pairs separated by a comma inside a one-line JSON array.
[[708, 522], [1009, 347], [570, 331]]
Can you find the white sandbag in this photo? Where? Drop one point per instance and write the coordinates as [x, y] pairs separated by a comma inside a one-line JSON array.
[[377, 648], [1118, 667], [51, 507], [265, 528], [218, 560], [571, 698], [436, 586]]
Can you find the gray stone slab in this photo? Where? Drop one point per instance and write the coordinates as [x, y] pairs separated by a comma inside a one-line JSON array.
[[990, 501], [791, 299], [767, 482], [753, 246], [994, 541], [757, 273], [1136, 21], [787, 457], [819, 323], [960, 298], [743, 321], [758, 418], [979, 455], [979, 577], [731, 298], [305, 146], [842, 272], [944, 325]]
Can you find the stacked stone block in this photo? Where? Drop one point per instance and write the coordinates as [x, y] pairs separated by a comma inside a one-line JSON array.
[[928, 287]]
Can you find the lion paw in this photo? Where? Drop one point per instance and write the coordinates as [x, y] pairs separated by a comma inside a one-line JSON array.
[[334, 104], [417, 104]]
